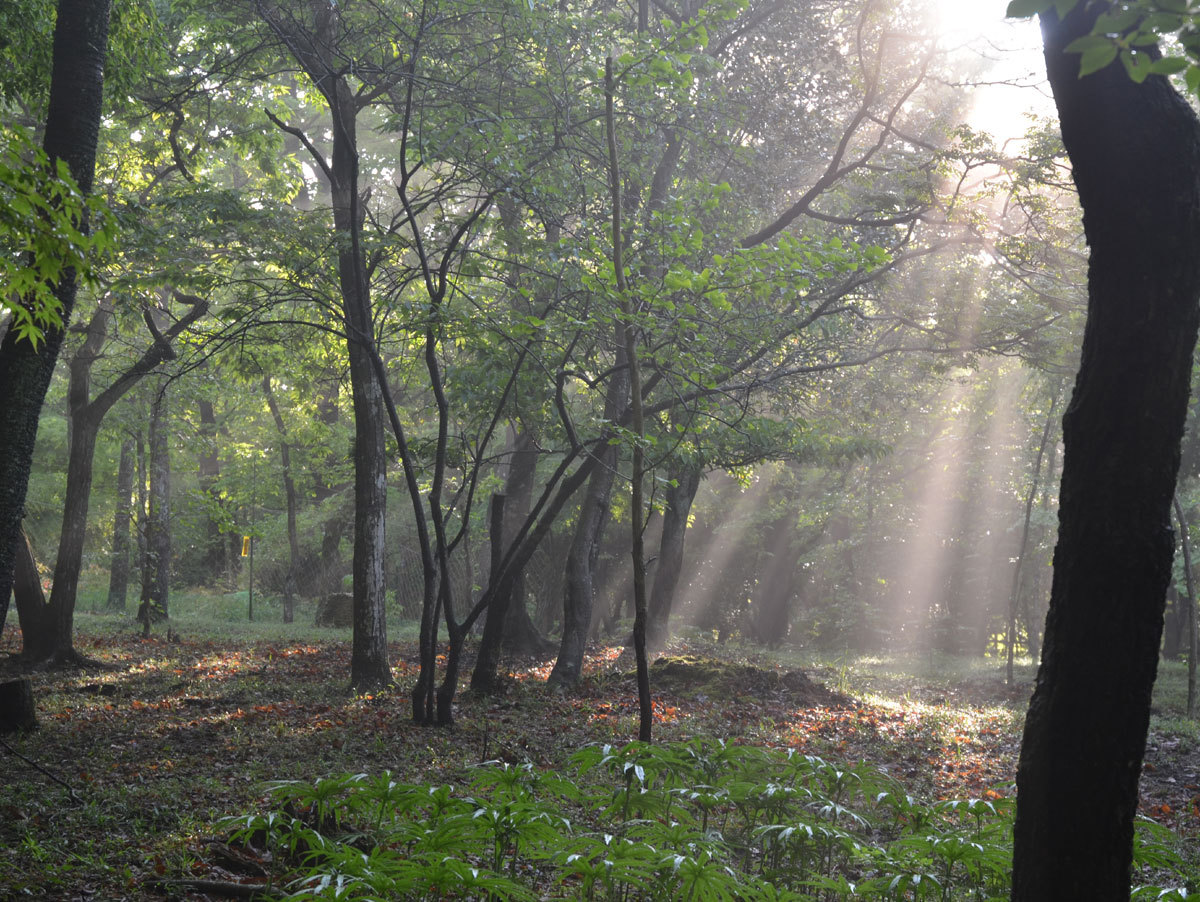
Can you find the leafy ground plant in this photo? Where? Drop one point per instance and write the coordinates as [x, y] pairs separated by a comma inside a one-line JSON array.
[[698, 820]]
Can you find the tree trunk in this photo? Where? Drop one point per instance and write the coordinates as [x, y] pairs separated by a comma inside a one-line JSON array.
[[72, 127], [33, 613], [317, 52], [118, 582], [289, 490], [670, 554], [1185, 544], [17, 711], [1135, 156], [1015, 593], [507, 620], [579, 588], [156, 573], [209, 471]]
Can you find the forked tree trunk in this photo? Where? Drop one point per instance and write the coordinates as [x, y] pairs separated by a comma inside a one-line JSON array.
[[1135, 156]]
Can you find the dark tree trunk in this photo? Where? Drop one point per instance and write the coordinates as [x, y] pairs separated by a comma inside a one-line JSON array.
[[118, 582], [86, 415], [670, 555], [37, 640], [579, 584], [157, 569], [72, 127], [289, 490], [317, 52], [17, 711], [507, 619], [1135, 155]]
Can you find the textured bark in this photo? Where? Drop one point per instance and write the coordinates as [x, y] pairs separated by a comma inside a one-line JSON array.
[[1135, 155], [156, 571], [670, 555], [118, 580], [72, 127]]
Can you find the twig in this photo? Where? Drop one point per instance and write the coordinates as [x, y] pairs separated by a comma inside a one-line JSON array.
[[69, 788]]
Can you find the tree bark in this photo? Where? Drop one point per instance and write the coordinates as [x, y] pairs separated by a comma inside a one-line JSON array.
[[670, 554], [72, 129], [17, 711], [579, 587], [118, 582], [316, 51], [85, 417], [289, 491], [209, 471], [1185, 545], [33, 612], [156, 573], [1015, 592], [1135, 156]]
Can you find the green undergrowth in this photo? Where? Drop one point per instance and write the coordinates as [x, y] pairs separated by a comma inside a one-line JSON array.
[[696, 820]]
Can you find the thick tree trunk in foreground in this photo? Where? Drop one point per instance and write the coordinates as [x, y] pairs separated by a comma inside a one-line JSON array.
[[1135, 153], [72, 128], [118, 581]]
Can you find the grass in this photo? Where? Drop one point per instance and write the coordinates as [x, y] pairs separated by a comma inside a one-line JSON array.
[[173, 737]]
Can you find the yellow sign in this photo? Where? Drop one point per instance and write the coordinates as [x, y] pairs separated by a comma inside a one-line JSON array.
[[245, 546]]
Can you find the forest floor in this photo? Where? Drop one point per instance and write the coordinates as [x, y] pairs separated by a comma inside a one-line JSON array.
[[137, 761]]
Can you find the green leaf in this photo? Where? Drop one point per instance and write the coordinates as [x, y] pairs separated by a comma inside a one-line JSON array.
[[1193, 79], [1096, 59], [1169, 65]]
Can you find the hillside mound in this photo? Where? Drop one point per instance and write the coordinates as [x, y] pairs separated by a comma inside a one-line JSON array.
[[695, 675]]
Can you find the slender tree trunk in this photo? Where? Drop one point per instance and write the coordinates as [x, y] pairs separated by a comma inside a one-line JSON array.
[[1185, 544], [118, 582], [86, 416], [670, 554], [579, 588], [72, 129], [1015, 592], [216, 549], [1135, 157], [317, 51], [507, 620], [156, 576], [289, 491]]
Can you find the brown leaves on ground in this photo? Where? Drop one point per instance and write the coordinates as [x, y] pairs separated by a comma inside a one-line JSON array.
[[177, 735]]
